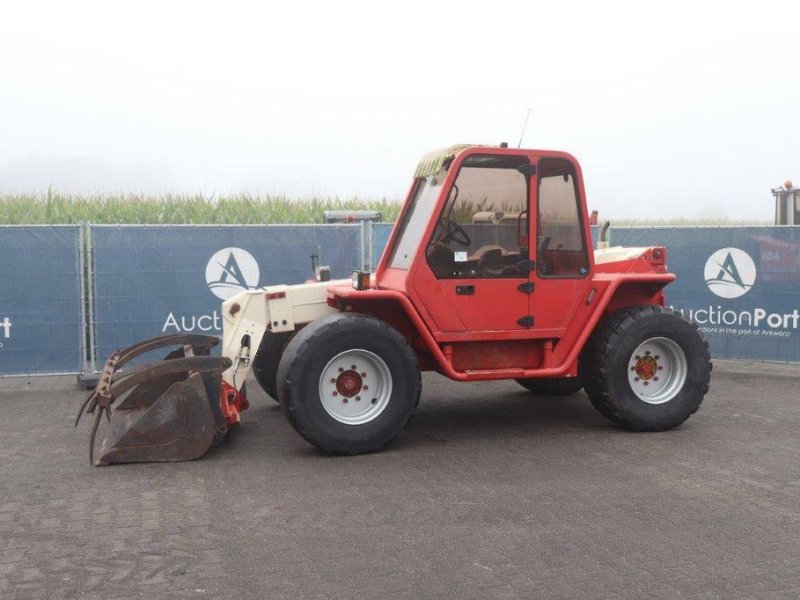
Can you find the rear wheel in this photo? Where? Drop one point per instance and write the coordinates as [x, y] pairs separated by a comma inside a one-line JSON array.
[[265, 365], [348, 383], [553, 386], [647, 368]]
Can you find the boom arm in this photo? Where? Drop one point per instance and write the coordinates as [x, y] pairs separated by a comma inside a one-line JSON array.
[[277, 308]]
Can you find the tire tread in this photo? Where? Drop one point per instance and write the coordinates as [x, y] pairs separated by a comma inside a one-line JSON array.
[[301, 346], [595, 360]]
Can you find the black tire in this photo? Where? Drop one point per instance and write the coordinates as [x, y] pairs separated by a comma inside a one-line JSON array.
[[553, 386], [309, 353], [265, 364], [607, 358]]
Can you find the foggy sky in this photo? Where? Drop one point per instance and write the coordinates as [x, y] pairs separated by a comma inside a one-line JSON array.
[[673, 109]]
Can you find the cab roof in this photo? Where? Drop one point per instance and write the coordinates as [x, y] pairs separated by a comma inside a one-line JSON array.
[[433, 161]]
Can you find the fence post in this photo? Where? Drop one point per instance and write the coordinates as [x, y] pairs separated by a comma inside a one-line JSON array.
[[88, 378], [367, 260]]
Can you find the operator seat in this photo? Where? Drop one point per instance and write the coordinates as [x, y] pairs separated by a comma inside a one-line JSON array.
[[441, 260]]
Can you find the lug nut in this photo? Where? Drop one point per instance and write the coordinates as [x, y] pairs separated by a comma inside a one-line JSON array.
[[363, 375], [374, 400], [344, 400], [636, 379], [647, 353], [637, 357], [353, 367], [333, 380], [335, 393], [341, 369], [633, 368], [660, 368], [358, 397], [366, 387], [647, 383], [655, 378], [657, 357]]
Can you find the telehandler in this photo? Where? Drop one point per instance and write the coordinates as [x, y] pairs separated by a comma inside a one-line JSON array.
[[488, 274]]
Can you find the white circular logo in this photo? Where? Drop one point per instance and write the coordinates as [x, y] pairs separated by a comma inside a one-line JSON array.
[[230, 271], [730, 272]]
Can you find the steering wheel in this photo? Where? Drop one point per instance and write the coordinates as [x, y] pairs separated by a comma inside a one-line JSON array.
[[456, 233]]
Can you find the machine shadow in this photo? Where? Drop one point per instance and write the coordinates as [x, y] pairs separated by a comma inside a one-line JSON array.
[[447, 413], [510, 415]]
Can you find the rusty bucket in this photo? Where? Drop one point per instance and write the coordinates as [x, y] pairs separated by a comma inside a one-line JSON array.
[[161, 411]]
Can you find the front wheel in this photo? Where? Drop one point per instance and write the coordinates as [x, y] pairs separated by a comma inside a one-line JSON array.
[[647, 368], [348, 383]]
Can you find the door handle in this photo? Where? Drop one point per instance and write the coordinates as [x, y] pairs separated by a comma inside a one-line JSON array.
[[465, 290]]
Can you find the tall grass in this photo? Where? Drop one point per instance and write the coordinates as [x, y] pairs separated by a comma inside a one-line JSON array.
[[463, 212], [170, 209], [53, 207], [686, 222]]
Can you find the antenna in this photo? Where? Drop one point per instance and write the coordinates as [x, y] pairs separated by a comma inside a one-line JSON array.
[[524, 126]]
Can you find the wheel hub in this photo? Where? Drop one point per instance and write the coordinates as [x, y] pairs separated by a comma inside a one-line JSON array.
[[646, 367], [349, 383]]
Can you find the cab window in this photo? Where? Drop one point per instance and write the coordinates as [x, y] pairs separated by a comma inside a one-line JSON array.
[[415, 220], [483, 230], [560, 243]]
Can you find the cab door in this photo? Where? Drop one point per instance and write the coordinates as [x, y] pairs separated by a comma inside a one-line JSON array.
[[561, 278], [478, 274]]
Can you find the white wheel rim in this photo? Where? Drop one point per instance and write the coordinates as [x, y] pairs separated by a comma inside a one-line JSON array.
[[355, 386], [657, 370]]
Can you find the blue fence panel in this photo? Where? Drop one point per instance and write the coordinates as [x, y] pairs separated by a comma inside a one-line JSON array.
[[380, 237], [742, 285], [151, 280], [40, 300]]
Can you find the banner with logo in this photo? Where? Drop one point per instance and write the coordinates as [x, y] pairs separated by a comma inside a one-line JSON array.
[[40, 300], [153, 280], [741, 285]]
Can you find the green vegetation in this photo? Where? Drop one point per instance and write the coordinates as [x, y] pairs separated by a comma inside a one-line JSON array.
[[57, 208], [687, 222]]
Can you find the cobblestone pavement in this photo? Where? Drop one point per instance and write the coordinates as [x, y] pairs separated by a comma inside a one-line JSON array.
[[490, 493]]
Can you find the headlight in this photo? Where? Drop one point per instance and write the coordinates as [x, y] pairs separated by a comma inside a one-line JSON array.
[[361, 280]]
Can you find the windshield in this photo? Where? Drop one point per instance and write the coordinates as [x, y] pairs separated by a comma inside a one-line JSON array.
[[416, 220]]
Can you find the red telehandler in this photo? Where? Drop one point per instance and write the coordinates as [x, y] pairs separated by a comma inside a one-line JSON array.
[[488, 274]]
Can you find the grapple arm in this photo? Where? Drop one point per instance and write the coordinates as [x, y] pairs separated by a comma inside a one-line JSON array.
[[167, 410]]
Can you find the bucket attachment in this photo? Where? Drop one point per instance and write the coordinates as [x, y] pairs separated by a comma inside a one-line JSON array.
[[165, 411]]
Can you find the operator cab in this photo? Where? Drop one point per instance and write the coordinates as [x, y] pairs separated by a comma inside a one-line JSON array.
[[467, 249]]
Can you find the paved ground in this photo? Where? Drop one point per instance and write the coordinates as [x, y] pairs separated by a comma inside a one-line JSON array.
[[489, 494]]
